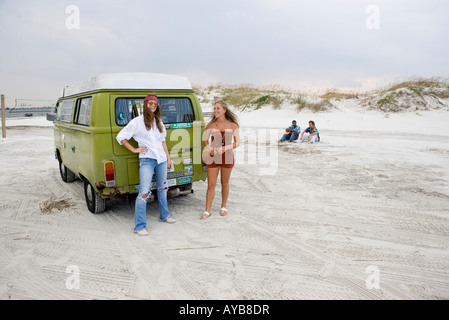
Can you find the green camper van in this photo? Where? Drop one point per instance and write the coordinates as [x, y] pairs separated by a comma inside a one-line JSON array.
[[89, 116]]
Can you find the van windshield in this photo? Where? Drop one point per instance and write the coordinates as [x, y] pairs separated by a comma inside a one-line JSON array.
[[174, 110]]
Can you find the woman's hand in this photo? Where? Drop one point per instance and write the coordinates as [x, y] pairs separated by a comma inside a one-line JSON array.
[[169, 164], [210, 150], [128, 146], [219, 151], [142, 149]]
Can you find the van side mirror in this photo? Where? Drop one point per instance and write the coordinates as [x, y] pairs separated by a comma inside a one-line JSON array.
[[50, 117]]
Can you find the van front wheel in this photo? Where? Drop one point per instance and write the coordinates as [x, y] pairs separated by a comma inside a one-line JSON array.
[[94, 202]]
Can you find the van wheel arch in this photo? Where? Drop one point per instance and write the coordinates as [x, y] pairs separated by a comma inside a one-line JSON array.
[[66, 174], [94, 202]]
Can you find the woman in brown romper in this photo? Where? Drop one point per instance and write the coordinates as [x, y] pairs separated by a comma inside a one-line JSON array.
[[223, 133]]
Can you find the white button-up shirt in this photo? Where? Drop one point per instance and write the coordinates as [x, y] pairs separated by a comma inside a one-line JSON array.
[[151, 139]]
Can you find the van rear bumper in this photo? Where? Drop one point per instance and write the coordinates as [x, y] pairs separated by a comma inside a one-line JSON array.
[[107, 192]]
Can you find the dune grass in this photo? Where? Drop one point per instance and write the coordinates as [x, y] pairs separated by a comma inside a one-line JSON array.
[[249, 97], [414, 89], [419, 83], [339, 95], [302, 103]]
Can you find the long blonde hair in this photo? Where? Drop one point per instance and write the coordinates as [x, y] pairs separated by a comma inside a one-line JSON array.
[[229, 115]]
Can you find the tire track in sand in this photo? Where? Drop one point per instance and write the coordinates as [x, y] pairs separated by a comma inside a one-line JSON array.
[[148, 263]]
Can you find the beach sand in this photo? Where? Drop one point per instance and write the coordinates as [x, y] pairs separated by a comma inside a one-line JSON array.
[[364, 214]]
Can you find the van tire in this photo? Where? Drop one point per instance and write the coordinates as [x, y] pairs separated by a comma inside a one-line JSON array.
[[94, 202], [66, 174]]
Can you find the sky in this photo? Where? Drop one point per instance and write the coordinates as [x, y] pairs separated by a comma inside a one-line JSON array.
[[296, 44]]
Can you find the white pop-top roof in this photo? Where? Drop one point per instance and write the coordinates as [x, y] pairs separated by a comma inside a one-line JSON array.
[[136, 81]]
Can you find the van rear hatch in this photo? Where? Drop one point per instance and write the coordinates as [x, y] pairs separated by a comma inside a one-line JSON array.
[[178, 116]]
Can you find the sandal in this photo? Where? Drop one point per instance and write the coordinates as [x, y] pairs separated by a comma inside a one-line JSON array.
[[223, 212], [205, 215]]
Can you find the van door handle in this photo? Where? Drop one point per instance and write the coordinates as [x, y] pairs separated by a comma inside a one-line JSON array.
[[73, 149]]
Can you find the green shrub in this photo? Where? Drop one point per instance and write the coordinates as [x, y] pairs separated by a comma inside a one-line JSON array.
[[274, 100], [302, 103]]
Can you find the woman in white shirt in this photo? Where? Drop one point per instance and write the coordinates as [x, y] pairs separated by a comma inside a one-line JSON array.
[[149, 132]]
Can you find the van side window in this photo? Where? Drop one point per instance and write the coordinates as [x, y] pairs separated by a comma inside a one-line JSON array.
[[174, 110], [126, 109], [83, 111], [66, 111]]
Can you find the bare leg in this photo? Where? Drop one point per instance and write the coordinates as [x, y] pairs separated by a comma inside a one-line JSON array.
[[212, 175], [225, 176]]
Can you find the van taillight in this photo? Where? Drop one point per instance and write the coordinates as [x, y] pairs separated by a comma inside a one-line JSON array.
[[109, 173]]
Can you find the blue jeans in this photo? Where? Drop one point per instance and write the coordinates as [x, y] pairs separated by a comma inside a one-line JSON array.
[[147, 167], [291, 137]]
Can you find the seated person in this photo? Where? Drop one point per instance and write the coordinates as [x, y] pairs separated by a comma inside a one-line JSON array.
[[310, 134], [291, 133]]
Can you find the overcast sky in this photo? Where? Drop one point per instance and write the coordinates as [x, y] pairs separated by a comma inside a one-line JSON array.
[[308, 44]]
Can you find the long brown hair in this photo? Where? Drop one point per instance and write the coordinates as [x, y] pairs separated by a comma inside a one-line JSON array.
[[148, 117], [229, 115]]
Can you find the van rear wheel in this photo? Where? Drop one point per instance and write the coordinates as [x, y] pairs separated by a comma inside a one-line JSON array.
[[66, 174], [94, 202]]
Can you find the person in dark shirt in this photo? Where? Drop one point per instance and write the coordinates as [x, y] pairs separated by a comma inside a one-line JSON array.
[[291, 133]]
